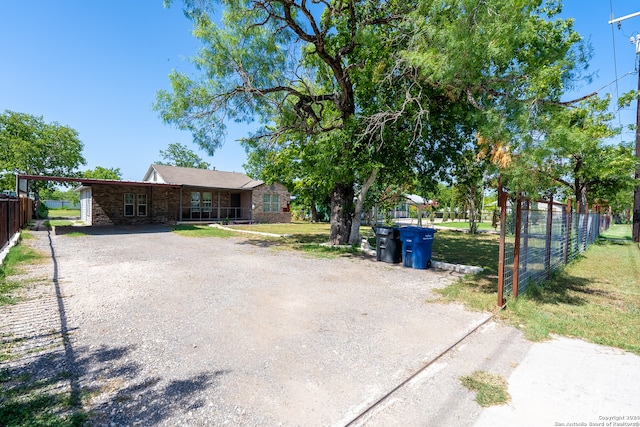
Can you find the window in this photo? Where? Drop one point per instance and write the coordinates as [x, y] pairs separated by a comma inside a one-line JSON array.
[[142, 205], [129, 200], [271, 203], [206, 202], [267, 203], [195, 201]]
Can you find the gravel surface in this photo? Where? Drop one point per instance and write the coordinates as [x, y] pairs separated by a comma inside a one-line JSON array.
[[161, 329]]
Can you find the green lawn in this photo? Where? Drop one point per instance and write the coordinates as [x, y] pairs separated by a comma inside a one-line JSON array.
[[465, 225], [596, 298], [63, 213], [618, 231]]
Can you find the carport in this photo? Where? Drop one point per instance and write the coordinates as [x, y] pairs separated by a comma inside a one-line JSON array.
[[115, 202]]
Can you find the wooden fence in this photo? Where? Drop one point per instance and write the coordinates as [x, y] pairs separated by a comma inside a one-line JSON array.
[[15, 213], [538, 237]]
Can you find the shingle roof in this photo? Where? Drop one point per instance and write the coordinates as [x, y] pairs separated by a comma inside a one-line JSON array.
[[203, 178]]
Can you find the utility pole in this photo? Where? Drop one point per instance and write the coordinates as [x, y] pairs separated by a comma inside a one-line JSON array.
[[636, 193]]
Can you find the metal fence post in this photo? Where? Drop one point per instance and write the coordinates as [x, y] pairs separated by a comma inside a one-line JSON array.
[[547, 254], [524, 249], [516, 247], [502, 205]]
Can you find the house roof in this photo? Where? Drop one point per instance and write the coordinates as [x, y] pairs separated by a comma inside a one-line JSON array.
[[89, 181], [200, 178]]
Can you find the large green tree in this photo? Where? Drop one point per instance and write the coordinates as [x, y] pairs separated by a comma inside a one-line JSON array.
[[178, 154], [100, 172], [321, 76], [571, 154], [30, 145], [374, 86]]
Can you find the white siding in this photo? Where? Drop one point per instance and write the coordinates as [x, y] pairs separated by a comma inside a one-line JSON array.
[[85, 205]]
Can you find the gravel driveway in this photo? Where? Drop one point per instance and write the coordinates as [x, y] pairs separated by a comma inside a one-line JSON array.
[[161, 329]]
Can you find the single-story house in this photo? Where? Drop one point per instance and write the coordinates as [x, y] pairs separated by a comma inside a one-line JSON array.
[[170, 194], [206, 195]]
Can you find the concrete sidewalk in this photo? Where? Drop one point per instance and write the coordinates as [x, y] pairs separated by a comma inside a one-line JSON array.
[[565, 381], [553, 383]]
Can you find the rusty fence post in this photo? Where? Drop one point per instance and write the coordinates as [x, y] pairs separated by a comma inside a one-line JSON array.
[[547, 254], [502, 205], [516, 248], [524, 248], [567, 232]]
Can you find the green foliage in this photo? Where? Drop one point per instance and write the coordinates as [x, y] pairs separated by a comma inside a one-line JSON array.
[[355, 91], [177, 154], [572, 156], [56, 194], [43, 211], [29, 145], [100, 172]]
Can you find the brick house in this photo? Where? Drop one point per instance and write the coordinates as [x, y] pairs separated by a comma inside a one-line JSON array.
[[171, 195], [211, 195]]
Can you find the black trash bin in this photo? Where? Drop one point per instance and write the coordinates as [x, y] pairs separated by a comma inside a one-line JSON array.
[[417, 246], [388, 245]]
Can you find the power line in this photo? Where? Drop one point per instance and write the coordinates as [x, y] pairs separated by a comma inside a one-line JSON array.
[[615, 62]]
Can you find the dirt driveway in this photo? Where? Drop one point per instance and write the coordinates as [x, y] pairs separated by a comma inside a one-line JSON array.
[[161, 329]]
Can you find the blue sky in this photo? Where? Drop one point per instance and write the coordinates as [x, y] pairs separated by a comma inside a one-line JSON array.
[[96, 66]]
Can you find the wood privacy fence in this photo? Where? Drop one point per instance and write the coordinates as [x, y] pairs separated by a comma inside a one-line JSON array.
[[15, 213], [538, 237]]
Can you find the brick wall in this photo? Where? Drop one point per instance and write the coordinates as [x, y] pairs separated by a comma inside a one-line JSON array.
[[258, 213], [107, 205]]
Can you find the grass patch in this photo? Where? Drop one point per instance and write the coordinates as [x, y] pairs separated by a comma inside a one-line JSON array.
[[203, 231], [57, 223], [6, 292], [479, 250], [63, 213], [465, 225], [596, 298], [75, 234], [293, 228], [490, 389], [618, 231], [35, 403], [18, 256]]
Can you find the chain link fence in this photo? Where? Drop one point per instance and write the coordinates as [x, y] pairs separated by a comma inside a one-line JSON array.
[[539, 237]]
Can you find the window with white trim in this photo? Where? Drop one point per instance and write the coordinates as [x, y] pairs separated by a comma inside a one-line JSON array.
[[142, 205], [271, 203], [135, 204], [207, 202], [129, 202]]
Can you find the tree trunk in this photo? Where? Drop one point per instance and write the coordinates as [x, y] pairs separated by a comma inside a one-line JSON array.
[[314, 212], [581, 195], [354, 237], [473, 218], [36, 204], [341, 213]]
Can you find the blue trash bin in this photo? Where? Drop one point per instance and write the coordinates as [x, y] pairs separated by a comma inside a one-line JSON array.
[[416, 246]]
